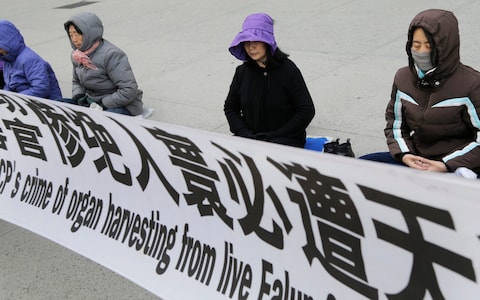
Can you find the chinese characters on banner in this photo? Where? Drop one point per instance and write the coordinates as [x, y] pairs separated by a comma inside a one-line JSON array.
[[191, 214]]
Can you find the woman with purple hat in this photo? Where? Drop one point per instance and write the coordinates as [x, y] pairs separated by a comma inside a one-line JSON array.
[[268, 99]]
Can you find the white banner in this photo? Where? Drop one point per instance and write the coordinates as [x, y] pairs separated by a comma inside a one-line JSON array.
[[189, 214]]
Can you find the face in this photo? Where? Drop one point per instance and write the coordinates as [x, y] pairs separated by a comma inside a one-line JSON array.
[[75, 37], [420, 42], [256, 50]]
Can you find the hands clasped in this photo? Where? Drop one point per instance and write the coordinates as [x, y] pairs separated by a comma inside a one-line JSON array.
[[422, 163]]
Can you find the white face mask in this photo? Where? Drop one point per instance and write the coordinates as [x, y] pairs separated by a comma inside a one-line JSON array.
[[422, 60]]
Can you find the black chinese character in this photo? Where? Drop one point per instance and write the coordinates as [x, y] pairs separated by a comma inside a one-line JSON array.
[[144, 177], [199, 179], [338, 223], [255, 202], [27, 138], [425, 254], [97, 136], [11, 103], [3, 139], [66, 137]]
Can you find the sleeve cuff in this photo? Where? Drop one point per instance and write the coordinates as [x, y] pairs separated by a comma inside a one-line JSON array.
[[101, 104]]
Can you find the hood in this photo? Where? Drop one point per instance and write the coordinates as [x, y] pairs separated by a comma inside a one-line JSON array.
[[442, 26], [90, 26], [11, 40], [256, 28]]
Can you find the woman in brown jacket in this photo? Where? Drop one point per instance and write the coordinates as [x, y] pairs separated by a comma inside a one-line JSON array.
[[433, 121]]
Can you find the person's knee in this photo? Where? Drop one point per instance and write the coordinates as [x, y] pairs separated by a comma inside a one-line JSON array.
[[377, 156], [383, 157]]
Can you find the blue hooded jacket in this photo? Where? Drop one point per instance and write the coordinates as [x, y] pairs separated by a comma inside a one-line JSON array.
[[24, 71]]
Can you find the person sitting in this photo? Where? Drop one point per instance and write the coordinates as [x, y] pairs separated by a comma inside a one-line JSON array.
[[433, 117], [102, 75], [24, 71], [268, 99]]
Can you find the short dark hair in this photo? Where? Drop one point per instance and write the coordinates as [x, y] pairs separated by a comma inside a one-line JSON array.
[[67, 24]]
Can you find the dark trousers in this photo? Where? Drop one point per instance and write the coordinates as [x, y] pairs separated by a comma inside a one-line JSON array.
[[383, 157]]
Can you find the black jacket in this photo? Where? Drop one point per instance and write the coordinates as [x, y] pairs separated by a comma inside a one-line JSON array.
[[271, 104]]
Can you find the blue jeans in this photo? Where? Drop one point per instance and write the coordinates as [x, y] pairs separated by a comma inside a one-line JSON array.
[[117, 110], [383, 157]]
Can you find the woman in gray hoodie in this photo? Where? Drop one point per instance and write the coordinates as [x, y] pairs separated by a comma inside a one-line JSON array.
[[102, 75]]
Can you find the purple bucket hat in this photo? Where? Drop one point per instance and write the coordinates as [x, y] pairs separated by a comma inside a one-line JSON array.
[[256, 28]]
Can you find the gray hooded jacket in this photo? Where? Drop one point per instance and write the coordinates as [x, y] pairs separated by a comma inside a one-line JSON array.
[[113, 84]]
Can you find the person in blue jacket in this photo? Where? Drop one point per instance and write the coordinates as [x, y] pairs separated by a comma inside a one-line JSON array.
[[24, 71], [2, 83]]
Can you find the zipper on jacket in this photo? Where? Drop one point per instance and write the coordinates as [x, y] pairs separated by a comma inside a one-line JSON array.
[[425, 109]]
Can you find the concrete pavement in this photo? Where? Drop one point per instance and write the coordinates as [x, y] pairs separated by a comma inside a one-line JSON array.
[[348, 51]]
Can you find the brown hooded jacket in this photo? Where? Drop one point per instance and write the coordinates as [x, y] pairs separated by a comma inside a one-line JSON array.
[[436, 116]]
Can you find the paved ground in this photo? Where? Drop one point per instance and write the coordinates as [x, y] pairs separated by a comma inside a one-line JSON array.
[[348, 51]]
